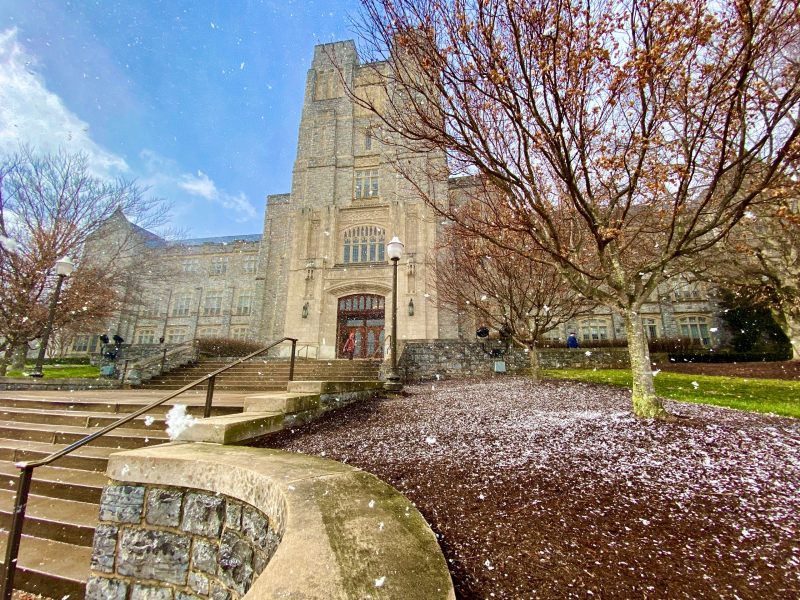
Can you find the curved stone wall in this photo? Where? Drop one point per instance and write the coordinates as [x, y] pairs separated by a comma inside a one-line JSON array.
[[158, 542], [333, 532]]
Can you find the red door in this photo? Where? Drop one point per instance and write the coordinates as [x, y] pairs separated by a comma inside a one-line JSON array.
[[363, 314]]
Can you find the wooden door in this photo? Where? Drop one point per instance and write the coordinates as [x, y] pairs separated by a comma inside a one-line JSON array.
[[363, 314]]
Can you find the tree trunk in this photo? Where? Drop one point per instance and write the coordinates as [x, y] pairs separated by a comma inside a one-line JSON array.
[[536, 369], [645, 402], [18, 357], [4, 358]]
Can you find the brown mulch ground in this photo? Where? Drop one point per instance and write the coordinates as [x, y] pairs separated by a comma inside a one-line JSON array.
[[788, 369], [556, 491]]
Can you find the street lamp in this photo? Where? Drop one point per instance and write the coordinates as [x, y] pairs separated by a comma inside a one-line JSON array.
[[64, 268], [395, 250]]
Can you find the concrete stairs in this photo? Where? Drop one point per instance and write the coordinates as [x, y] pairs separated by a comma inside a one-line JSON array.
[[55, 550], [267, 374]]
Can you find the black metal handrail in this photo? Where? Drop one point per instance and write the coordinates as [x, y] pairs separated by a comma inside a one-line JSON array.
[[26, 468]]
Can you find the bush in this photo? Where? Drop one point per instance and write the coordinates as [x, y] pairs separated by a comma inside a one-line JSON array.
[[674, 345], [67, 360], [218, 346]]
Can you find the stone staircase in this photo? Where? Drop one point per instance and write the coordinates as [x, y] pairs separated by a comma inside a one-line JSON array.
[[62, 511], [266, 374]]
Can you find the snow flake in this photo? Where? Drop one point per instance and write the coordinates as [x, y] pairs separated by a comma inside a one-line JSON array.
[[148, 420], [430, 440], [178, 421], [588, 353], [380, 581], [371, 504], [488, 564], [695, 385]]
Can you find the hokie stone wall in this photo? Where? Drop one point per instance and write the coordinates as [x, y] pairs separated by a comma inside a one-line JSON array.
[[168, 543]]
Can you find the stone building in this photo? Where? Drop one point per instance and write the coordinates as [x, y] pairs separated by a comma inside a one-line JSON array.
[[319, 269]]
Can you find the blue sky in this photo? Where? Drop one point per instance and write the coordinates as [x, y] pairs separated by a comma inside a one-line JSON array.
[[199, 100]]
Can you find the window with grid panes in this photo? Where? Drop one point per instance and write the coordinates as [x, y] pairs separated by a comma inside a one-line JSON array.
[[364, 244], [366, 183]]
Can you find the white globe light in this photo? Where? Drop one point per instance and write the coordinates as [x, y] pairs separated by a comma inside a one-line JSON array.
[[65, 266], [395, 248]]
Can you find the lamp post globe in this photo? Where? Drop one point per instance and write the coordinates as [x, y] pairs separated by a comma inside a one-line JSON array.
[[395, 250], [64, 268]]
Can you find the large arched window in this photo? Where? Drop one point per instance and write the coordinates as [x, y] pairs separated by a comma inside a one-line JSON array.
[[365, 243]]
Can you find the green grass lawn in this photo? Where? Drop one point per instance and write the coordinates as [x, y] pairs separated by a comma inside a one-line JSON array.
[[758, 395], [59, 371]]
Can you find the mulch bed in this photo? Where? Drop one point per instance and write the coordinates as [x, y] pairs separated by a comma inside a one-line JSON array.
[[557, 491], [788, 369]]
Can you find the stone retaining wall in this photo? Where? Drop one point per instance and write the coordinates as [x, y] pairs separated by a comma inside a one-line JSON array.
[[422, 360], [29, 383], [159, 542]]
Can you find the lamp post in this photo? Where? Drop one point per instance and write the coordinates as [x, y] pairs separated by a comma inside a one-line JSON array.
[[64, 268], [395, 250]]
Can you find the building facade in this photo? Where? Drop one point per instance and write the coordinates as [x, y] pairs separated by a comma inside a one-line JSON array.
[[319, 270]]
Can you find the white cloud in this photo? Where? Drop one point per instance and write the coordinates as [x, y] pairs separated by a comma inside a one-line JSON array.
[[33, 115], [166, 177], [199, 185]]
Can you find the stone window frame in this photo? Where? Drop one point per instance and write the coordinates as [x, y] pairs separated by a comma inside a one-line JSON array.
[[364, 244], [190, 265], [239, 332], [595, 329], [695, 327], [244, 303], [689, 291], [651, 327], [249, 264], [207, 332], [146, 335], [181, 304], [80, 343], [176, 335], [212, 303], [366, 183], [219, 265]]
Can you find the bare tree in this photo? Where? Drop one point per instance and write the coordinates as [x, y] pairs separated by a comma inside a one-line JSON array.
[[523, 296], [625, 136], [50, 205]]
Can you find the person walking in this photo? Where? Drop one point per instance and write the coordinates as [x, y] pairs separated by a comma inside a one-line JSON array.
[[572, 340], [349, 347]]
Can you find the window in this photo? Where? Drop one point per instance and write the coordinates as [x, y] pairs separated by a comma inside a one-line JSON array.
[[593, 330], [146, 336], [219, 265], [650, 328], [212, 304], [181, 304], [364, 244], [190, 265], [239, 333], [80, 343], [244, 303], [176, 335], [207, 332], [150, 312], [695, 328], [368, 139], [687, 291], [366, 185], [249, 264]]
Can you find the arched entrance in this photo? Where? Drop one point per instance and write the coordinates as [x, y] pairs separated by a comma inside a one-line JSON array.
[[363, 314]]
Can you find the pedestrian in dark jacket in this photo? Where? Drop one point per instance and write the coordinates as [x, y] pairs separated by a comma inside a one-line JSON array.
[[572, 340]]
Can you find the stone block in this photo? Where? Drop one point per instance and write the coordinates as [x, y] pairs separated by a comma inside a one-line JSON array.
[[158, 555], [122, 503], [148, 592], [203, 514], [219, 592], [102, 588], [204, 556], [233, 515], [255, 526], [104, 548], [199, 583], [164, 507], [185, 596], [235, 562]]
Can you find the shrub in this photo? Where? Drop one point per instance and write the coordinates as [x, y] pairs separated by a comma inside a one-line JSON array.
[[729, 357], [218, 346]]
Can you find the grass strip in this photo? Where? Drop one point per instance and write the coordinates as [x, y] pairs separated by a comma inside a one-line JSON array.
[[758, 395], [61, 371]]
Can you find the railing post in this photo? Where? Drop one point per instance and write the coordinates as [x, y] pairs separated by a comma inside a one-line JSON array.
[[209, 396], [163, 362], [291, 362], [15, 532]]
